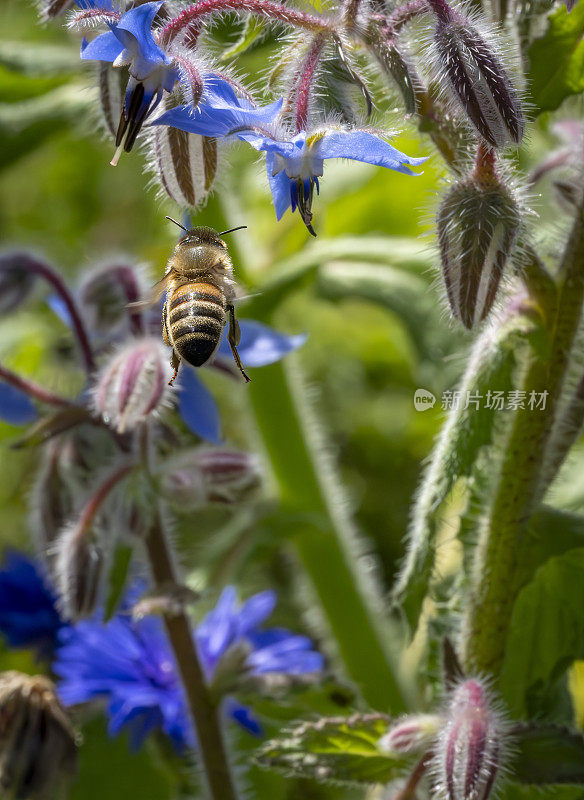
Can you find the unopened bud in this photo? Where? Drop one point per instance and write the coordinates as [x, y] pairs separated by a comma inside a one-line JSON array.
[[52, 500], [476, 77], [16, 282], [468, 754], [37, 741], [133, 385], [412, 734], [204, 475], [105, 293], [78, 569], [184, 164], [49, 9], [112, 85], [477, 225]]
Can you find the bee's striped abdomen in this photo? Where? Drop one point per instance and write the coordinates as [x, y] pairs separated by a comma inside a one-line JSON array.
[[196, 317]]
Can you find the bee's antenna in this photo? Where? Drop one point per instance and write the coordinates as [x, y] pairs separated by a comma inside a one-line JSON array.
[[179, 225], [233, 229]]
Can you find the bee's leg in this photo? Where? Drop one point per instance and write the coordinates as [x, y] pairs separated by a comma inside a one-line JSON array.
[[233, 337], [175, 364]]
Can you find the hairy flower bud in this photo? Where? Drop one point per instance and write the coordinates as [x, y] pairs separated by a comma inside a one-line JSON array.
[[78, 569], [49, 9], [412, 734], [105, 293], [203, 475], [468, 754], [476, 77], [133, 385], [184, 164], [37, 741], [52, 500], [16, 282], [477, 225], [112, 84]]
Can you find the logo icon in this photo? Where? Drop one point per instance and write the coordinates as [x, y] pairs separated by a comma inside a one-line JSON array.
[[423, 400]]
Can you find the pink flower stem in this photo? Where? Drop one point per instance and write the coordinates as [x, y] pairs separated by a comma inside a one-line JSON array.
[[59, 285], [32, 389], [306, 81], [189, 20], [98, 498]]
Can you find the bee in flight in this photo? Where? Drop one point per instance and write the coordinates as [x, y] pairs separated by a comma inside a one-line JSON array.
[[200, 294]]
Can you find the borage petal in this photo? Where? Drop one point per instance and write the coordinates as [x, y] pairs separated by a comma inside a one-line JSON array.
[[364, 146], [105, 47], [197, 406], [261, 345], [138, 24], [16, 408]]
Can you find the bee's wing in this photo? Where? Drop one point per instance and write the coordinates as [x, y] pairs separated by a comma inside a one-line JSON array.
[[241, 298], [154, 294]]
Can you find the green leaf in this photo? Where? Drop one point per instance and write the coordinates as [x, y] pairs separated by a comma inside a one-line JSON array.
[[253, 30], [38, 59], [25, 126], [547, 755], [547, 629], [397, 289], [557, 59], [335, 749], [466, 432], [117, 578], [301, 269]]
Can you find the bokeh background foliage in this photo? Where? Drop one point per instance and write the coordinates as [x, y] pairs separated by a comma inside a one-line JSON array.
[[364, 291]]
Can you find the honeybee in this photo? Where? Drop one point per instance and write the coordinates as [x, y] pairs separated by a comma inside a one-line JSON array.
[[200, 294]]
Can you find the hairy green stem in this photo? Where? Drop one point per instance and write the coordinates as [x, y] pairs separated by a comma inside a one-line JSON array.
[[498, 569], [322, 535], [205, 712]]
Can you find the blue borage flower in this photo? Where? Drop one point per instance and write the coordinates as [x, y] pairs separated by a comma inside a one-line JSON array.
[[16, 407], [130, 42], [130, 664], [28, 612], [294, 163]]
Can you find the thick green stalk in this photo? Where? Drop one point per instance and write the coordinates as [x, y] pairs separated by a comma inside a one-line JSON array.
[[322, 534], [498, 570]]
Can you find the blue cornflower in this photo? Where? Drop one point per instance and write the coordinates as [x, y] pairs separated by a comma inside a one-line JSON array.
[[130, 664], [294, 163], [28, 612], [130, 42]]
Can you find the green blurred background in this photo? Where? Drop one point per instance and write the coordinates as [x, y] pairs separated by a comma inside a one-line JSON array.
[[365, 292]]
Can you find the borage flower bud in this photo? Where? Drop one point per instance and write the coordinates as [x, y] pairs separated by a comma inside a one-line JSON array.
[[477, 225], [78, 569], [16, 281], [49, 9], [476, 77], [37, 741], [184, 164], [470, 745], [412, 734], [210, 475], [105, 293], [133, 385]]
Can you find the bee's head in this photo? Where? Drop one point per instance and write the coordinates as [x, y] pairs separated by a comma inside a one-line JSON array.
[[202, 236]]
